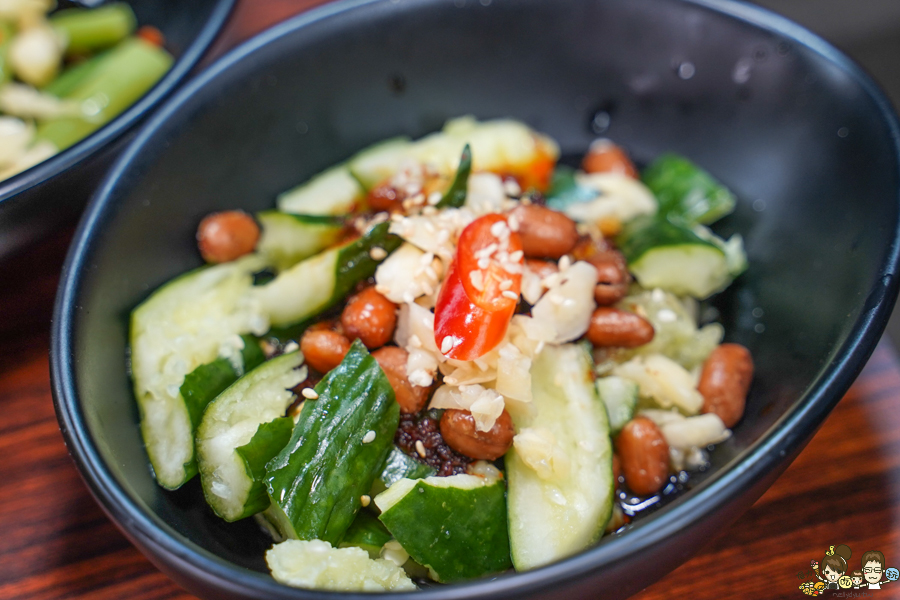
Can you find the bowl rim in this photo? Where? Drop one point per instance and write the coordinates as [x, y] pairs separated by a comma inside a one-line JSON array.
[[85, 148], [779, 444]]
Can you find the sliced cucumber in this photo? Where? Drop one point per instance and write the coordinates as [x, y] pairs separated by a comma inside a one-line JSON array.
[[368, 533], [620, 397], [560, 469], [672, 257], [333, 192], [289, 238], [314, 284], [399, 465], [339, 443], [242, 429], [686, 191], [455, 526], [316, 565], [191, 321], [500, 146]]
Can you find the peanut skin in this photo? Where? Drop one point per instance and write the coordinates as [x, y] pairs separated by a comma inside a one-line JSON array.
[[323, 349], [612, 327], [411, 398], [643, 456], [613, 277], [226, 236], [458, 430], [545, 233], [606, 157], [370, 317], [725, 381]]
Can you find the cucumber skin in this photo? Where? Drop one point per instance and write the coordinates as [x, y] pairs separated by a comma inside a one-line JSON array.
[[207, 381], [352, 265], [368, 533], [646, 233], [687, 192], [398, 465], [270, 439], [316, 481], [455, 196], [460, 536], [308, 235]]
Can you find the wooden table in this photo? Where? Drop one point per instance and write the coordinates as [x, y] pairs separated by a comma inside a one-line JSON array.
[[56, 543]]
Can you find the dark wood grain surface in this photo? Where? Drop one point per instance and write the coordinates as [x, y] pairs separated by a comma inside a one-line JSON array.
[[56, 543]]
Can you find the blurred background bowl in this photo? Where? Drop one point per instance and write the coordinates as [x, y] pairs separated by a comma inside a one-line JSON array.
[[802, 135], [35, 202]]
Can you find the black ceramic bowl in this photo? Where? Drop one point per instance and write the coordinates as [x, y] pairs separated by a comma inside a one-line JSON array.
[[803, 137], [35, 201]]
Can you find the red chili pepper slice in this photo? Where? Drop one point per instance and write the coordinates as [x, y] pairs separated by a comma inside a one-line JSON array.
[[481, 290]]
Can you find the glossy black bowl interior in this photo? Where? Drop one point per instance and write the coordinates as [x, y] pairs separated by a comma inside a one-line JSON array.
[[803, 137], [35, 201]]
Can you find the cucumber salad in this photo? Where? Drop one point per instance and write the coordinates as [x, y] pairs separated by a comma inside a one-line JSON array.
[[446, 358]]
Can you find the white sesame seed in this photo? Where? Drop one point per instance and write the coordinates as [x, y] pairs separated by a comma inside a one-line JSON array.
[[365, 500], [486, 251], [513, 223], [447, 344], [511, 188], [429, 211], [539, 347], [516, 256], [500, 230], [477, 280], [451, 380], [484, 263], [369, 437], [414, 341], [512, 268], [420, 448], [511, 295], [429, 227], [309, 394], [434, 198], [431, 273], [291, 346], [550, 280], [443, 236], [505, 284], [378, 253], [565, 262]]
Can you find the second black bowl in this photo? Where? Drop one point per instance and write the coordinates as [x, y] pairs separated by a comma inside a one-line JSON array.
[[34, 202], [804, 138]]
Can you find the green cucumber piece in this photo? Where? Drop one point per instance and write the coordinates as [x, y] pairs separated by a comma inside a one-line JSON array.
[[88, 30], [499, 146], [242, 429], [207, 381], [666, 255], [125, 74], [73, 76], [455, 526], [316, 565], [686, 192], [289, 238], [314, 284], [188, 322], [620, 397], [368, 533], [333, 192], [317, 480], [376, 163], [7, 32], [455, 196], [399, 465], [561, 489]]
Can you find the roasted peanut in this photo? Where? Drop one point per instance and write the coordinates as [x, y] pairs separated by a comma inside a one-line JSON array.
[[226, 236], [458, 430], [606, 157], [618, 328], [370, 317], [545, 233], [644, 456], [323, 349], [392, 360], [541, 268], [724, 382], [613, 277]]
